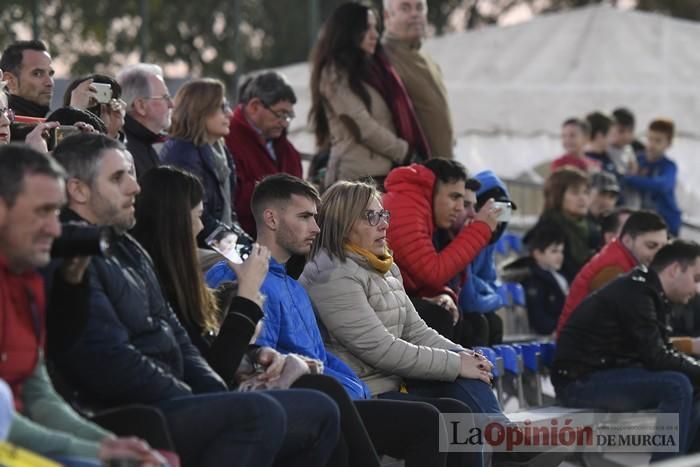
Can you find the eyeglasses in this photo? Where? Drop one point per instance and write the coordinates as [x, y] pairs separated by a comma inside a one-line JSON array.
[[373, 217], [9, 113], [284, 116], [164, 97]]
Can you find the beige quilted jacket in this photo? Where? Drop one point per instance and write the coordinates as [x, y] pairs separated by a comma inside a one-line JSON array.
[[372, 325], [362, 142]]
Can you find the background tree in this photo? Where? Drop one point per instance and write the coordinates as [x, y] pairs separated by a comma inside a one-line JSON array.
[[219, 37]]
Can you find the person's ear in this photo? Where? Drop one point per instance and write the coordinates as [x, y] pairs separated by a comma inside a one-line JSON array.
[[138, 107], [12, 81], [78, 191], [270, 219], [627, 241]]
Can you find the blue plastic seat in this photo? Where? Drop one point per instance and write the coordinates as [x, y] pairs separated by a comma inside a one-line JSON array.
[[502, 246], [547, 353], [515, 242]]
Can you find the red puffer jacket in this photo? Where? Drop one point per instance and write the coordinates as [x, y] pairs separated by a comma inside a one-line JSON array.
[[425, 271], [612, 261]]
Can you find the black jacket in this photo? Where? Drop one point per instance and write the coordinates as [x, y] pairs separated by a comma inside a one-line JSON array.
[[139, 142], [133, 349], [544, 297], [24, 108], [621, 325]]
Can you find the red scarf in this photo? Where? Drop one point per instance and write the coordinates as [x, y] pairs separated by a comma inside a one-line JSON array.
[[383, 77]]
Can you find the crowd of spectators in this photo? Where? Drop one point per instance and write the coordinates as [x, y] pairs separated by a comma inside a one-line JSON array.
[[128, 345]]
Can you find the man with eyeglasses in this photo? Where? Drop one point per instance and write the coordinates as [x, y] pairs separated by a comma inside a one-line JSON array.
[[258, 138], [148, 111]]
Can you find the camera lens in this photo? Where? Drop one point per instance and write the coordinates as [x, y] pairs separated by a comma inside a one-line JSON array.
[[78, 239]]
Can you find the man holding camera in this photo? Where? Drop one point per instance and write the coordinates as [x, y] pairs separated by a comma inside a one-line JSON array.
[[425, 200], [134, 350], [31, 193]]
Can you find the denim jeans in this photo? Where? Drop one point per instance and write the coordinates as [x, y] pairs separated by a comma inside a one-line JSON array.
[[632, 389], [292, 427], [476, 394], [6, 409]]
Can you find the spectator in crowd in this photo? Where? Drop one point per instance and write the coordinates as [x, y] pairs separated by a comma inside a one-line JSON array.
[[281, 204], [425, 201], [6, 409], [643, 234], [31, 192], [111, 113], [258, 138], [405, 22], [656, 176], [611, 224], [359, 104], [479, 294], [200, 122], [614, 352], [623, 145], [29, 75], [545, 288], [28, 69], [7, 116], [574, 136], [148, 112], [605, 192], [134, 350], [566, 202], [623, 148], [597, 147]]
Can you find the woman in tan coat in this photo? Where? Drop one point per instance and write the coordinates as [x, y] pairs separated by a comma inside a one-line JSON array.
[[360, 108]]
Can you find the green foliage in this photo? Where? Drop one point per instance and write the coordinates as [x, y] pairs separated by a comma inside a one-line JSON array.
[[102, 35]]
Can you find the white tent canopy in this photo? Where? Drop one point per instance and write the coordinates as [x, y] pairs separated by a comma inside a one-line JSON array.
[[511, 87]]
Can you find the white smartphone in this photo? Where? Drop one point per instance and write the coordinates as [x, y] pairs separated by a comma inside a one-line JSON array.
[[103, 92], [506, 210]]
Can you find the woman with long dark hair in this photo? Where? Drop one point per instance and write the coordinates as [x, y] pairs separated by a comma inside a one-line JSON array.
[[360, 107], [167, 213]]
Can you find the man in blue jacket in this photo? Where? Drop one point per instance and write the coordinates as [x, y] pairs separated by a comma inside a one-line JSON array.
[[479, 294], [656, 176], [290, 324], [134, 350]]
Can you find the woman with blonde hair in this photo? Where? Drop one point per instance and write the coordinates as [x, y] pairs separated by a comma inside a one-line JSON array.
[[372, 325], [200, 120]]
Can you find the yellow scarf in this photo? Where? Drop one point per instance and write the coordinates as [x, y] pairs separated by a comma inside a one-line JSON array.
[[380, 263]]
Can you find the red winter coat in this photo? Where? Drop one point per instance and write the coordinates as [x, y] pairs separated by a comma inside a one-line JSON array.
[[21, 326], [253, 163], [612, 261], [425, 271]]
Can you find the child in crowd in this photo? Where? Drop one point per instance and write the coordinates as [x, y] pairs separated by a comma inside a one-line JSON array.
[[545, 288], [574, 136], [656, 176]]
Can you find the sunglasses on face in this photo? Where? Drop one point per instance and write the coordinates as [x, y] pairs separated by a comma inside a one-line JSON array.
[[374, 217]]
